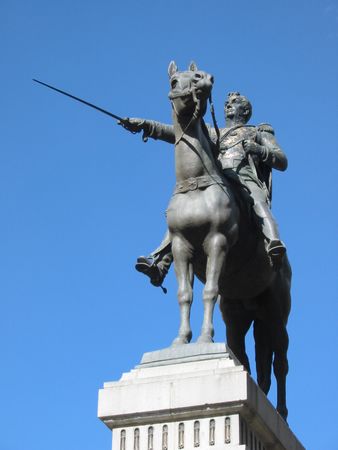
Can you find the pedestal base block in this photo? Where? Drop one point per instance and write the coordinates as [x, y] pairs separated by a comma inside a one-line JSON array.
[[194, 395]]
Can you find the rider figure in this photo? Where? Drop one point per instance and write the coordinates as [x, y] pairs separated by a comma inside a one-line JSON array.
[[247, 155]]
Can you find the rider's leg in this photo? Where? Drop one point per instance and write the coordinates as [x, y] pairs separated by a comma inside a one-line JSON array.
[[163, 255], [276, 249], [157, 264], [268, 225]]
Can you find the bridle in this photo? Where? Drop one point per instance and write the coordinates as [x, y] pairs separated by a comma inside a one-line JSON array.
[[191, 91]]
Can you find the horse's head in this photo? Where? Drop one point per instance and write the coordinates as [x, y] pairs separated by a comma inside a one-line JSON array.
[[189, 90]]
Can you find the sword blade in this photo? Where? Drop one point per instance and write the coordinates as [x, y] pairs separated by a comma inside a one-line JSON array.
[[114, 116]]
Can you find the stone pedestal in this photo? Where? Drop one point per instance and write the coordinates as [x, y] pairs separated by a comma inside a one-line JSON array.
[[195, 395]]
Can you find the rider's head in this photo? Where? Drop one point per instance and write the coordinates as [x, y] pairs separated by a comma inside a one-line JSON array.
[[237, 108]]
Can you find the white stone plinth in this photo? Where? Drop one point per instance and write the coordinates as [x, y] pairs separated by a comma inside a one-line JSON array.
[[195, 395]]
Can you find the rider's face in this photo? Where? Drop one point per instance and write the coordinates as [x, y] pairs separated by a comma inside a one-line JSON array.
[[234, 108]]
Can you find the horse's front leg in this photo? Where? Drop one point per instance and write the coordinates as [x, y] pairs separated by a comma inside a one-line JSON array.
[[216, 249], [185, 277]]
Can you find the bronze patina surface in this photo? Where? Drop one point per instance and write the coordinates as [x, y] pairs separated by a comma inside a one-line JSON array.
[[220, 226]]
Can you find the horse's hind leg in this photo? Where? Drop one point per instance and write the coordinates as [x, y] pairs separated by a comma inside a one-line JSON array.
[[281, 368], [215, 249], [263, 354], [278, 309], [185, 276], [237, 321]]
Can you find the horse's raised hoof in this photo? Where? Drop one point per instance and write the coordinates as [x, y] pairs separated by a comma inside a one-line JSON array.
[[205, 339]]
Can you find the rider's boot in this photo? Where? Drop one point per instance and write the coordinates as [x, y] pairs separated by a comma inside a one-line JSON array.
[[155, 267], [157, 264], [275, 247]]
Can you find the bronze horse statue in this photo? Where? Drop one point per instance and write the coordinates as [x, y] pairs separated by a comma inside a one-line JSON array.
[[214, 237]]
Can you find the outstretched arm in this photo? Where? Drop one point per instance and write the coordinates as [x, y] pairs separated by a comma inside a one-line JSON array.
[[150, 128]]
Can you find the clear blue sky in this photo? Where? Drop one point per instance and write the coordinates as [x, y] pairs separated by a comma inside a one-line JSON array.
[[81, 198]]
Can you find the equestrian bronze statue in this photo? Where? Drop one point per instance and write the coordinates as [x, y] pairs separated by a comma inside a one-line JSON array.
[[220, 226]]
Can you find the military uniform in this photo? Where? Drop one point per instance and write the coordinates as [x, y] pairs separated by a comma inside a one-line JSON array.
[[252, 171]]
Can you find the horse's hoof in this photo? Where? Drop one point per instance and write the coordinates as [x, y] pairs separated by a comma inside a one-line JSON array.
[[205, 339], [181, 340], [283, 411]]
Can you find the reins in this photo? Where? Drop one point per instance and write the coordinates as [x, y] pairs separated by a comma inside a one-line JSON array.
[[195, 115], [213, 115], [190, 91]]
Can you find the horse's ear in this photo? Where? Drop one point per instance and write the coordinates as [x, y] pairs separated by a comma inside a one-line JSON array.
[[172, 68], [193, 66]]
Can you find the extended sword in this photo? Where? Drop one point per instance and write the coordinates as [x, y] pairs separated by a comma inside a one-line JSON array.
[[114, 116]]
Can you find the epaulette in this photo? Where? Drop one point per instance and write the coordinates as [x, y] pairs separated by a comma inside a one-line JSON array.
[[266, 127]]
